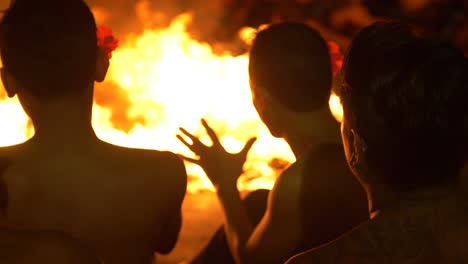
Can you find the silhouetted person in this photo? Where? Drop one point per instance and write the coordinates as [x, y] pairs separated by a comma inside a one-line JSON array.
[[404, 133], [313, 201], [124, 203], [31, 247]]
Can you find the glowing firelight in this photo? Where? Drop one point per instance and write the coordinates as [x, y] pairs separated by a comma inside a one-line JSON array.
[[336, 107], [168, 80]]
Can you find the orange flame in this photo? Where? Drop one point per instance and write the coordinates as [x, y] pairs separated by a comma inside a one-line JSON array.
[[165, 80]]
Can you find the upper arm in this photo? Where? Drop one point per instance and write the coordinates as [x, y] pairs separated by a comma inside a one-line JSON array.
[[279, 232], [173, 222]]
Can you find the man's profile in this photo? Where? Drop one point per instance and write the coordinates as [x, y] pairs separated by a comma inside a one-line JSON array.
[[404, 134]]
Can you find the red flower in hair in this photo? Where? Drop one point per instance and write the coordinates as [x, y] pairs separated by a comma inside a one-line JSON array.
[[336, 57], [106, 40]]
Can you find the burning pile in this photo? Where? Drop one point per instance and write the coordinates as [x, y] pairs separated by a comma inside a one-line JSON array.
[[162, 80]]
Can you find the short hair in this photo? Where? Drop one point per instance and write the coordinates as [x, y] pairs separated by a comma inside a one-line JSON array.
[[291, 62], [407, 96], [49, 46]]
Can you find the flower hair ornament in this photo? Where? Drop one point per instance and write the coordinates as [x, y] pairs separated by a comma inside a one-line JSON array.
[[106, 40], [336, 57]]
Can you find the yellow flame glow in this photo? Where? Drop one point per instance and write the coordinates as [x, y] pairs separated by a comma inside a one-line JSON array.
[[336, 107], [168, 80]]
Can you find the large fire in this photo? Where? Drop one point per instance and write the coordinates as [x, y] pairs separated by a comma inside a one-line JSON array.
[[162, 80]]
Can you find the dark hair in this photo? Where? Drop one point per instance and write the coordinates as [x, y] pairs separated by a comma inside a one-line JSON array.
[[407, 96], [291, 61], [49, 46]]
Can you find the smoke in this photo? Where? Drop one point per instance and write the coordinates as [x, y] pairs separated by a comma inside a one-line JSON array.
[[130, 16], [214, 21]]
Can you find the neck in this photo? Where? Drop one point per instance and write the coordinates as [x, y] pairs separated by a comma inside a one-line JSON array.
[[379, 198], [308, 130], [63, 122], [382, 200]]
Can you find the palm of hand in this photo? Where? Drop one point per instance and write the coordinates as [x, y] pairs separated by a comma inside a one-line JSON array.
[[220, 166]]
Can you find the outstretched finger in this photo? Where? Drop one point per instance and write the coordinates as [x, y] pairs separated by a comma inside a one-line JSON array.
[[195, 140], [189, 159], [248, 146], [211, 133], [188, 145], [188, 134]]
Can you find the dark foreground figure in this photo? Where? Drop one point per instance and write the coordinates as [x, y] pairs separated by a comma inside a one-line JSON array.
[[125, 204], [32, 247], [404, 133], [316, 199]]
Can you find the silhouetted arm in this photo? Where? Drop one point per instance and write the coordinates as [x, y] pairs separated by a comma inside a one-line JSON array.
[[173, 223], [279, 232]]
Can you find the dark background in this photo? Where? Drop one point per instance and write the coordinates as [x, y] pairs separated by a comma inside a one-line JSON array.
[[218, 21]]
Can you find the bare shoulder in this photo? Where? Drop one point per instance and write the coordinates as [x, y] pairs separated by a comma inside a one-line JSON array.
[[416, 237], [355, 247], [159, 177], [161, 166], [335, 253], [285, 195], [290, 179]]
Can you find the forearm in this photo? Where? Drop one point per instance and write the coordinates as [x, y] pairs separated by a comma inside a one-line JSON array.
[[238, 226]]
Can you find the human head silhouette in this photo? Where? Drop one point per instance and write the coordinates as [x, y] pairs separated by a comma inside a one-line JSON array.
[[405, 112], [49, 49], [289, 68]]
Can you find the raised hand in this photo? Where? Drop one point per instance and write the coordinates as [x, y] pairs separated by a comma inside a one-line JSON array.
[[221, 167]]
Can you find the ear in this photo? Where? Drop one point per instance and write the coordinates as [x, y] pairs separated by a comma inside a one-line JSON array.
[[9, 82], [352, 143], [276, 116], [347, 136], [357, 149], [360, 147], [102, 65]]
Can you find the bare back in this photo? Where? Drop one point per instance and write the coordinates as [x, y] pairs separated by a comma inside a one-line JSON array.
[[31, 247], [124, 203], [427, 233], [332, 200]]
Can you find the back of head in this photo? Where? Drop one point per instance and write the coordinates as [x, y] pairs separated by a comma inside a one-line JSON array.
[[49, 46], [291, 62], [407, 97]]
